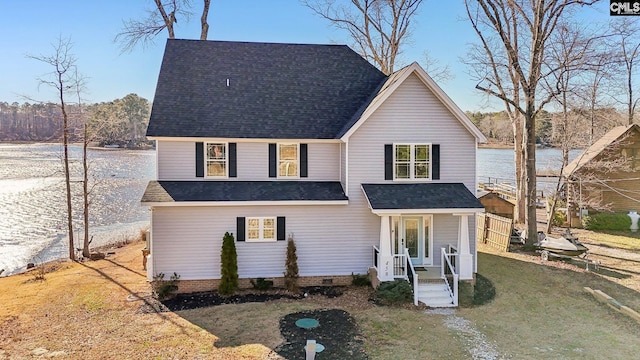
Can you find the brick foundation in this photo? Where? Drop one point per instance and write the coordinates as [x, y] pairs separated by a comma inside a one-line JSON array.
[[189, 286]]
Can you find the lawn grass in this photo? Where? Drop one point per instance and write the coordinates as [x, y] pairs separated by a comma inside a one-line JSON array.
[[85, 311], [615, 239], [543, 312]]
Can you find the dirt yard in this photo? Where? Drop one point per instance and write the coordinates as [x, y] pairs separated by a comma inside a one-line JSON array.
[[100, 310]]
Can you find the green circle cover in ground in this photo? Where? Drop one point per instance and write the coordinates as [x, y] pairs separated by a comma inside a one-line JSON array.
[[307, 323]]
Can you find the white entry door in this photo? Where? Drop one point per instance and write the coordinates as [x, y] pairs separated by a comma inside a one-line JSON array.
[[416, 234]]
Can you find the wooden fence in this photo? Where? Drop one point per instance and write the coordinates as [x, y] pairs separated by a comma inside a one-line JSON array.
[[494, 231]]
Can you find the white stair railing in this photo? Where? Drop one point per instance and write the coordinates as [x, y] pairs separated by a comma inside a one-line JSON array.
[[448, 273], [412, 276]]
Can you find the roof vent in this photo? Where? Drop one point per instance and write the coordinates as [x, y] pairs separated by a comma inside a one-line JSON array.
[[227, 82]]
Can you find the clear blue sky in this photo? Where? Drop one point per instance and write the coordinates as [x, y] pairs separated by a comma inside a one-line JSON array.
[[32, 26]]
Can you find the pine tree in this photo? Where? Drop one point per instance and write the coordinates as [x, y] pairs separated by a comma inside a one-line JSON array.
[[228, 266], [291, 266]]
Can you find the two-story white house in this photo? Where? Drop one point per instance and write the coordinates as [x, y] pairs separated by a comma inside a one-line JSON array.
[[366, 172]]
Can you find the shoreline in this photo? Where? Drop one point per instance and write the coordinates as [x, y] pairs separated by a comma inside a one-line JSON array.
[[103, 237]]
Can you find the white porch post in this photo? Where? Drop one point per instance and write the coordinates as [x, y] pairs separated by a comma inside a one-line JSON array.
[[385, 267], [466, 259]]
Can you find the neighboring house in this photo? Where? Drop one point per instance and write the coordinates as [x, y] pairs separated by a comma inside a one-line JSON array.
[[270, 141], [605, 176]]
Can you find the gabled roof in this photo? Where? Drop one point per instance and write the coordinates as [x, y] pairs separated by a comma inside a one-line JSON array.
[[421, 196], [615, 134], [390, 85], [167, 193], [224, 89]]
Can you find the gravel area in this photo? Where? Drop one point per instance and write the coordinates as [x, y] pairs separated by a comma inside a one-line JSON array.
[[476, 342]]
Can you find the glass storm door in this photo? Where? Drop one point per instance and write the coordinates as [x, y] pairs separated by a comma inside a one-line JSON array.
[[414, 238]]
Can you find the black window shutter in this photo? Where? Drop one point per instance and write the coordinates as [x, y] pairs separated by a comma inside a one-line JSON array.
[[273, 167], [199, 159], [304, 165], [281, 231], [233, 160], [388, 162], [435, 162], [240, 229]]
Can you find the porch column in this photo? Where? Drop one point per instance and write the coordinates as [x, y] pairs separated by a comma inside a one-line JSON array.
[[385, 267], [466, 259]]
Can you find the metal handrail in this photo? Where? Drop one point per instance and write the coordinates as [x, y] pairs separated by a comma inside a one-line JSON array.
[[413, 276], [376, 257]]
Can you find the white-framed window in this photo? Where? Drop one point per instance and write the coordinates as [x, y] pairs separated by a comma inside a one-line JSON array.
[[216, 160], [411, 161], [261, 229], [288, 160]]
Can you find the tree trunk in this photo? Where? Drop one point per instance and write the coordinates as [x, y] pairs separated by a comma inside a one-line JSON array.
[[520, 173], [85, 191], [203, 20], [67, 177], [530, 176]]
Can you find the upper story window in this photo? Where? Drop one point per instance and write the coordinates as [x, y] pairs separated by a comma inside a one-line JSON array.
[[216, 159], [261, 229], [411, 161], [288, 160]]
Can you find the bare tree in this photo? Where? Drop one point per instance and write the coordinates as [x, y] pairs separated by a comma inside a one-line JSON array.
[[164, 16], [627, 39], [63, 80], [85, 164], [514, 35], [378, 28], [439, 73]]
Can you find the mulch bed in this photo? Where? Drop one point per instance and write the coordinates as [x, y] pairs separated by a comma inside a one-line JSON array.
[[209, 298], [337, 332]]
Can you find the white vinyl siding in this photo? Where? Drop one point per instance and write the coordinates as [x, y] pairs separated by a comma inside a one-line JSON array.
[[330, 246], [176, 161]]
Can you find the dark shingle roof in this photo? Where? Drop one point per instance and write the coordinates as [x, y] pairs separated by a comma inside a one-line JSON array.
[[275, 90], [420, 196], [222, 191]]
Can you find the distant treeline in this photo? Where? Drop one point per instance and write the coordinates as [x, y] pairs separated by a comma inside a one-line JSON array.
[[584, 127], [121, 121]]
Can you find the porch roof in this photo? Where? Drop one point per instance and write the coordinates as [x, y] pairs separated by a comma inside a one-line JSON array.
[[210, 193], [421, 197]]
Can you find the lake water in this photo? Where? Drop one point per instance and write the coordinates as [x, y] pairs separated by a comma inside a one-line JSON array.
[[33, 202]]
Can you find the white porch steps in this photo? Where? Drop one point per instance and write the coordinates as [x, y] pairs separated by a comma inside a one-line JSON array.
[[435, 293]]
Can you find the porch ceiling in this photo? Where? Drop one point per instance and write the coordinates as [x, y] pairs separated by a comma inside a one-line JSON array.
[[431, 197]]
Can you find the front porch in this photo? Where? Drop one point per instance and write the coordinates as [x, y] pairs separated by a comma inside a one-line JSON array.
[[435, 286], [418, 240]]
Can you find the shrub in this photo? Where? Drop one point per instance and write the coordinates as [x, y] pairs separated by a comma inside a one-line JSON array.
[[164, 289], [484, 291], [606, 221], [291, 267], [261, 284], [360, 280], [559, 218], [395, 292], [228, 266]]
